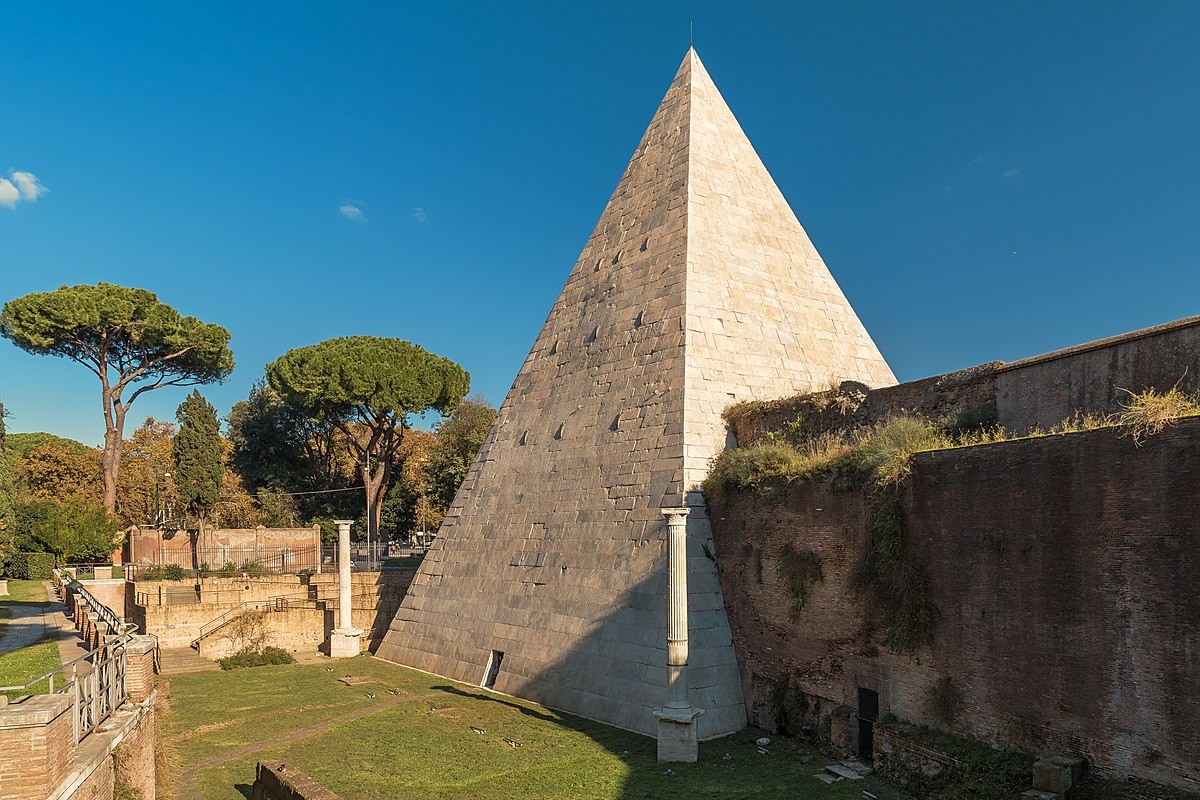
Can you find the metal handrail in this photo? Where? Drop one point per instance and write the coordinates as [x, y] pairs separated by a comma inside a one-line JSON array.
[[106, 614], [278, 602], [95, 694]]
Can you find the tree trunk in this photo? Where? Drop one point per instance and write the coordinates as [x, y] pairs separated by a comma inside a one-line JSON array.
[[114, 443], [376, 484]]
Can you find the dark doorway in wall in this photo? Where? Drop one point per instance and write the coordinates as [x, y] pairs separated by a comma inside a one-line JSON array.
[[493, 669], [868, 712]]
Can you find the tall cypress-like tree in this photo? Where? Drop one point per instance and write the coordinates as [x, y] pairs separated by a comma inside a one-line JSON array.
[[197, 452]]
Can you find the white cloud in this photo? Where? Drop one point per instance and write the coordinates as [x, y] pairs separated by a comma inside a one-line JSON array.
[[1011, 173], [352, 212], [9, 195], [975, 162], [27, 182], [419, 214], [19, 186]]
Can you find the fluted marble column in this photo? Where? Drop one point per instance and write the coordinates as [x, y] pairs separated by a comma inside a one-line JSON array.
[[677, 720]]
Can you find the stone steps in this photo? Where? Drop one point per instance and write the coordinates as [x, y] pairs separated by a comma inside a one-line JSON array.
[[177, 660]]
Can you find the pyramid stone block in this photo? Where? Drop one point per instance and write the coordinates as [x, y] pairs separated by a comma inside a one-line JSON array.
[[698, 288]]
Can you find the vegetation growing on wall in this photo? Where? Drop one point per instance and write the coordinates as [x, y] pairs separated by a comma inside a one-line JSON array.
[[943, 701], [892, 583], [1149, 412], [798, 569], [975, 771]]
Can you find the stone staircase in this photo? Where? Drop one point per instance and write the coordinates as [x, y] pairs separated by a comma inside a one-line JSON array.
[[176, 660]]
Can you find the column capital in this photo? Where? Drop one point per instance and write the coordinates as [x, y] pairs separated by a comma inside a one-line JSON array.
[[682, 511]]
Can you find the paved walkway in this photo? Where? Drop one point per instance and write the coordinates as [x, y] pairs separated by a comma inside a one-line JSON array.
[[31, 622]]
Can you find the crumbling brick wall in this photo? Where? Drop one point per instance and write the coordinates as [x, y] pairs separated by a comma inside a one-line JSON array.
[[1063, 568]]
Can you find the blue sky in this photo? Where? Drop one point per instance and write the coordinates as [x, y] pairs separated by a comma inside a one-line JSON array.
[[985, 180]]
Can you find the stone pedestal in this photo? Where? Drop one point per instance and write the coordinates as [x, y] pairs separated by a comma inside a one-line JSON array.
[[677, 734], [345, 643]]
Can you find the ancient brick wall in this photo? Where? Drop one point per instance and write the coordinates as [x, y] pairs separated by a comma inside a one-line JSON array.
[[293, 548], [35, 746], [276, 780], [1046, 389], [111, 593], [1041, 391], [1063, 569]]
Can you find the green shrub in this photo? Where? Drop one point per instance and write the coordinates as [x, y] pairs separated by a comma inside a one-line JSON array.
[[257, 658], [748, 467], [886, 449], [252, 568], [31, 566], [173, 572]]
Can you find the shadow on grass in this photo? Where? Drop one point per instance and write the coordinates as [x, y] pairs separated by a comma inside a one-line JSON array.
[[529, 712]]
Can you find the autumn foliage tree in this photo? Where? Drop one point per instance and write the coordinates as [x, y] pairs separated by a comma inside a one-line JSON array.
[[128, 339], [369, 388]]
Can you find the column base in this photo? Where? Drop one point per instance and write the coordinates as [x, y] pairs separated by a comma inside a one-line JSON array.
[[677, 734], [345, 643]]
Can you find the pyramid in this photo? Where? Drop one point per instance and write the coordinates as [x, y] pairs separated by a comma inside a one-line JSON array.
[[698, 288]]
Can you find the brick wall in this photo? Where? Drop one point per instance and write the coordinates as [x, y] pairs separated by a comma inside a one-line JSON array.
[[35, 746], [276, 780], [1064, 570], [1034, 392], [133, 761], [111, 593]]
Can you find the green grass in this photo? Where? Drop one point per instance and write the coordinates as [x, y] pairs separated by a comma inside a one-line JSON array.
[[21, 591], [22, 665], [419, 742]]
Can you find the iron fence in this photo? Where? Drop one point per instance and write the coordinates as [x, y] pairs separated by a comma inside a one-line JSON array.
[[225, 561]]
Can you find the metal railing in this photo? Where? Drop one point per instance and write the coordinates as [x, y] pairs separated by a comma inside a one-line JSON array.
[[278, 603], [95, 681], [229, 560], [116, 625]]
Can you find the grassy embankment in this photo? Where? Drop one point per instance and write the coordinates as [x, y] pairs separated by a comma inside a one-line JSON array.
[[419, 742]]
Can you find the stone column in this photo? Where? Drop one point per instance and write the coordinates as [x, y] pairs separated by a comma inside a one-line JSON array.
[[346, 640], [677, 720]]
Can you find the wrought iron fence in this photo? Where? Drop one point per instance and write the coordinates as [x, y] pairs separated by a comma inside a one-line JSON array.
[[227, 561]]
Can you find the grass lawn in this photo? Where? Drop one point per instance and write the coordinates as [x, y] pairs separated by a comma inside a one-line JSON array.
[[19, 666], [419, 742], [21, 591]]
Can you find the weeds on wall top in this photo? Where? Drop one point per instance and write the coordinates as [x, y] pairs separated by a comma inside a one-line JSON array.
[[1149, 413]]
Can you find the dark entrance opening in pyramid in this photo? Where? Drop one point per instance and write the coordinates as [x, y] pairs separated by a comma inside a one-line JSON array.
[[697, 285]]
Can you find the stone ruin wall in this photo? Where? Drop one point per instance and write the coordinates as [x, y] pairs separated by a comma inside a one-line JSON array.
[[1063, 568], [1037, 392]]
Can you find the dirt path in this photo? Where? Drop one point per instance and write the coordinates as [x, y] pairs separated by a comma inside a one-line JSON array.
[[186, 784]]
